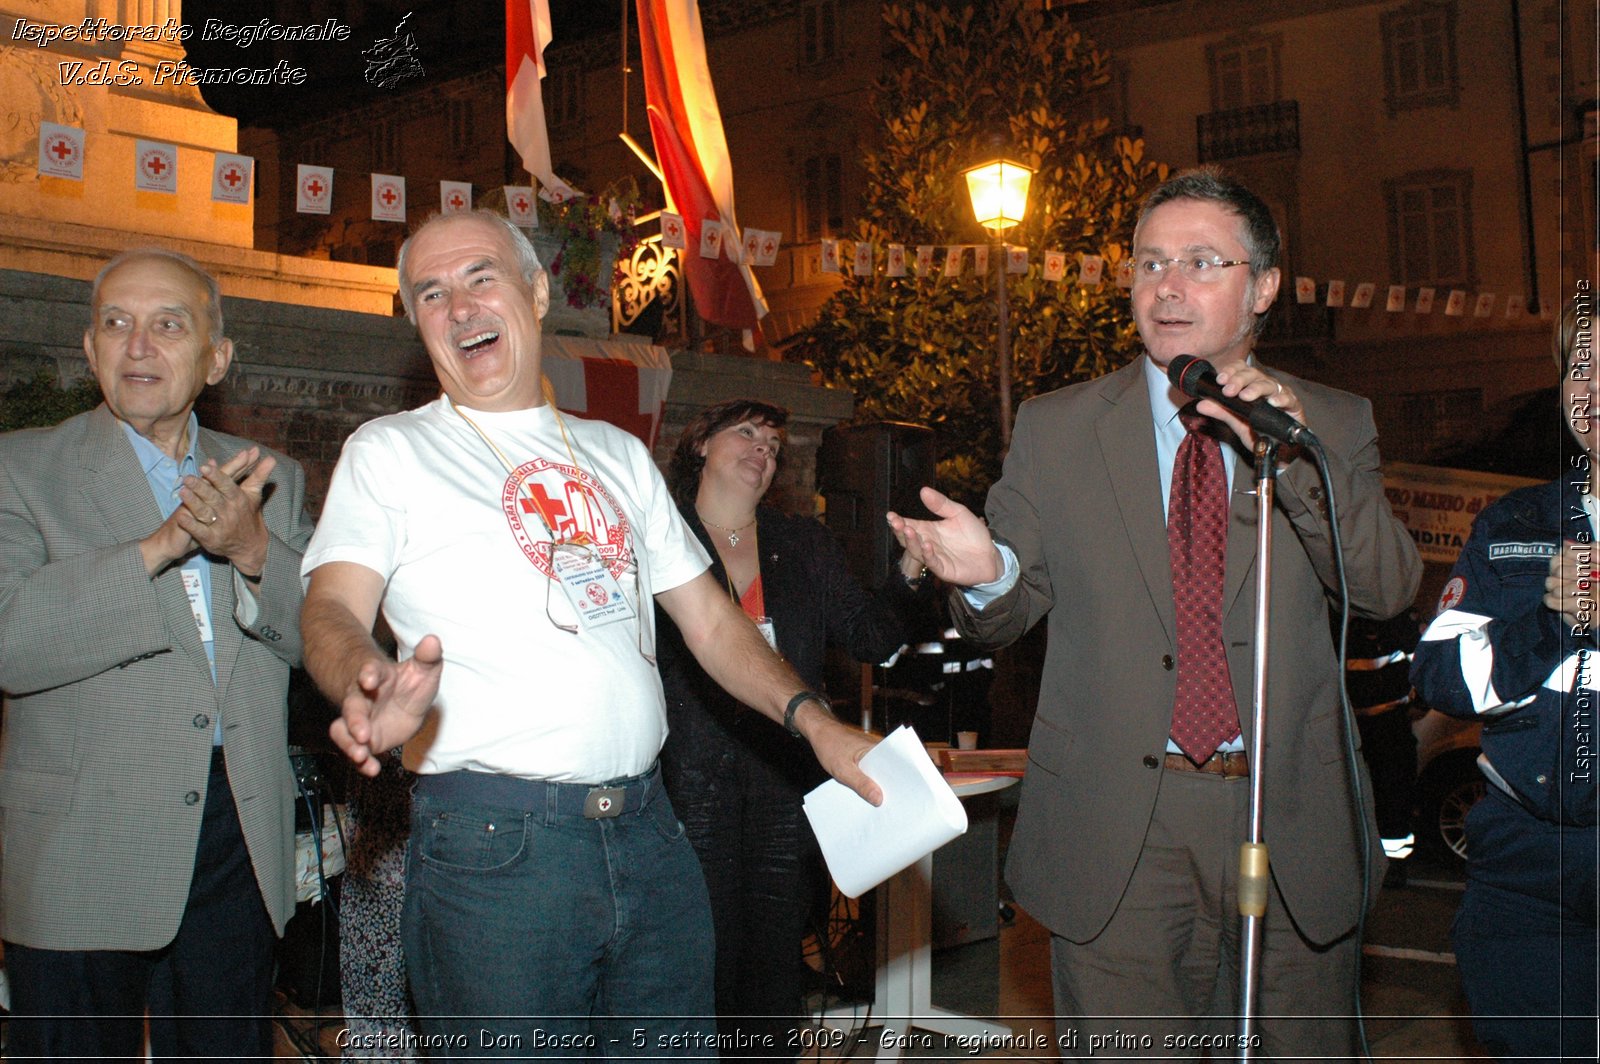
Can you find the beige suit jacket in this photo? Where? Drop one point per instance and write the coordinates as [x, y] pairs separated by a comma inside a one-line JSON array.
[[109, 700], [1080, 503]]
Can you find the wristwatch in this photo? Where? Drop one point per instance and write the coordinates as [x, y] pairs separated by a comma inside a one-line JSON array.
[[794, 704]]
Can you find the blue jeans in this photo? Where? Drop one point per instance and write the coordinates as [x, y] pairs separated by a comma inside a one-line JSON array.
[[533, 929]]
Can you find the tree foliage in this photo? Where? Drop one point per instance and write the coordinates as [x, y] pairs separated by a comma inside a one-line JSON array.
[[968, 84], [40, 400]]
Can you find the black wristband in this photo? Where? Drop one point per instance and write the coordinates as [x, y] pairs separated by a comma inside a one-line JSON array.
[[794, 704]]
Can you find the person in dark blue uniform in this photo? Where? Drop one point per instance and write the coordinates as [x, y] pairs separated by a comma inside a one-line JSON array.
[[1514, 644]]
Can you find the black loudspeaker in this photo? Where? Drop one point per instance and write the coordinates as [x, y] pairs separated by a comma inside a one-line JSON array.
[[864, 471]]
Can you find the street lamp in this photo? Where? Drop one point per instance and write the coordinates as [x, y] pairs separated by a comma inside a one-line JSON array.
[[999, 192]]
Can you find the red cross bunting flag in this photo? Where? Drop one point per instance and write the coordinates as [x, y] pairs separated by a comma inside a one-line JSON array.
[[615, 380], [313, 189], [455, 197], [710, 238], [863, 258], [1424, 301], [60, 151], [1455, 305], [527, 35], [155, 166], [1485, 305], [1305, 290], [830, 256], [1514, 306], [1363, 297], [230, 177], [1335, 294], [1396, 302], [980, 260], [520, 207], [692, 150], [1090, 269], [895, 264], [388, 198], [952, 261], [924, 259], [1016, 259], [1055, 265], [672, 232]]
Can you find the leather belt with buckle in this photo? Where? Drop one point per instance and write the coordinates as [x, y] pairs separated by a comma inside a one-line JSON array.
[[1230, 764]]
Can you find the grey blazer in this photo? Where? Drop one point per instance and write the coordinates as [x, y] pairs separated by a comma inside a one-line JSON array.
[[109, 700], [1080, 502]]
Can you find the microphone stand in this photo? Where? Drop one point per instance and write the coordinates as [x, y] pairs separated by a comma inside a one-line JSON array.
[[1254, 869]]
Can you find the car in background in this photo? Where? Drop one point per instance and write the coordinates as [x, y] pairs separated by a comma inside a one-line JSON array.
[[1449, 783]]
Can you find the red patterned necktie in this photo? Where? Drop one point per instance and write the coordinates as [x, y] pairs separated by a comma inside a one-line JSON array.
[[1204, 714]]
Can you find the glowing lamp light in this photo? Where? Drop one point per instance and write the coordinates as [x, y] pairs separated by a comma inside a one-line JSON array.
[[999, 191]]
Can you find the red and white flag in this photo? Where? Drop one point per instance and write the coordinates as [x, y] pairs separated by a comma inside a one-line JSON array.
[[865, 253], [1514, 306], [895, 264], [155, 166], [520, 207], [388, 198], [1485, 306], [924, 259], [767, 247], [980, 260], [830, 256], [952, 260], [1455, 304], [60, 151], [1305, 290], [692, 150], [1090, 269], [1016, 260], [1362, 299], [1055, 265], [527, 35], [752, 246], [710, 238], [1424, 301], [230, 177], [1335, 294], [313, 189], [455, 197], [672, 232], [1396, 301]]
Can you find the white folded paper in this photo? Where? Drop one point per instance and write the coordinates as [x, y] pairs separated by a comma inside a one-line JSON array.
[[865, 845]]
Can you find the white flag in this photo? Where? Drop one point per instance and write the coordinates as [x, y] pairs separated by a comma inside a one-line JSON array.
[[230, 178], [767, 250], [980, 260], [1335, 294], [952, 261], [895, 266], [710, 238], [1455, 305], [1016, 260], [1397, 299], [865, 253], [1362, 299], [750, 250], [1424, 301], [455, 197], [1055, 265], [556, 190], [313, 189], [830, 256], [673, 234], [520, 207], [60, 151], [1305, 290], [388, 198], [1485, 306], [1090, 268], [1514, 306], [155, 166], [924, 259]]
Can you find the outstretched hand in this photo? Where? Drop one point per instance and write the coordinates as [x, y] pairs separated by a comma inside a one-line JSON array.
[[386, 704], [955, 546]]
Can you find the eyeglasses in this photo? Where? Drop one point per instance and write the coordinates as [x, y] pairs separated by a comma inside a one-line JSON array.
[[1193, 268], [584, 554]]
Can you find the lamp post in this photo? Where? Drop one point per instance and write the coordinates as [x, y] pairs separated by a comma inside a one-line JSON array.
[[999, 192]]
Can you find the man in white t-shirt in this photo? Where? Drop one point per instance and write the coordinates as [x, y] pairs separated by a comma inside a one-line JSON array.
[[514, 552]]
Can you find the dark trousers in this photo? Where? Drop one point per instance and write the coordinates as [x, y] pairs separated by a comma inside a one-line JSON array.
[[208, 992]]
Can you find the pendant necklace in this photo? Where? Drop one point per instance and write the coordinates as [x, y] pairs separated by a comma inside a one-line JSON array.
[[732, 533]]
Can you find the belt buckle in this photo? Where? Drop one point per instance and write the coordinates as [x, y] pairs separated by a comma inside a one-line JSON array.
[[602, 803]]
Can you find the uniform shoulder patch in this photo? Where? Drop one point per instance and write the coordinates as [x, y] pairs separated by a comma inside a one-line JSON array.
[[1521, 550], [1453, 593]]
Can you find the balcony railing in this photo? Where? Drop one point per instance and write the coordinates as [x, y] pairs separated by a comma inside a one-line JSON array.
[[1260, 130]]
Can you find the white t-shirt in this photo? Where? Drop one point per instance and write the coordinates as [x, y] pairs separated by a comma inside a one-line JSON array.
[[421, 499]]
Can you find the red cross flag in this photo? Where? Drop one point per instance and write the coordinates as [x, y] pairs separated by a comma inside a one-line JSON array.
[[1305, 290], [1424, 301], [710, 238], [1455, 305], [1485, 305], [672, 231], [830, 256], [388, 198], [895, 265], [455, 197], [1335, 294], [751, 249], [924, 259], [1514, 306], [1396, 301], [520, 207], [1016, 260], [1055, 265], [686, 126], [952, 260], [767, 251], [313, 189], [60, 151], [230, 178], [613, 380], [155, 166], [1363, 297], [1090, 270], [527, 35], [980, 260], [865, 253]]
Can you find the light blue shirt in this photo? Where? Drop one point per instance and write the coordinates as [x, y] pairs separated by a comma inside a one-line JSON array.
[[166, 477], [1165, 402]]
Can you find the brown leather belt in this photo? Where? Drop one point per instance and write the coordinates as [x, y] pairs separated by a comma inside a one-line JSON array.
[[1230, 765]]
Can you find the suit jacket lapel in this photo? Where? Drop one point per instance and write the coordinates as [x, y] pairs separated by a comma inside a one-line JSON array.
[[1241, 549], [1128, 447], [223, 600]]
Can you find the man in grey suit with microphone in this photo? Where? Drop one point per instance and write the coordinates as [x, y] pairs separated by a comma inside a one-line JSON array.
[[1123, 518], [149, 616]]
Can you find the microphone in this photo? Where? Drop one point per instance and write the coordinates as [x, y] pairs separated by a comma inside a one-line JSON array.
[[1197, 378]]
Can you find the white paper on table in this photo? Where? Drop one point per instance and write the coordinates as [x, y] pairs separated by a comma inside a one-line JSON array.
[[865, 845]]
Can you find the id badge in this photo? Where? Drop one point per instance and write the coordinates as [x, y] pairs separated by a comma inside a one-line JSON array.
[[768, 632], [197, 602], [594, 593]]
